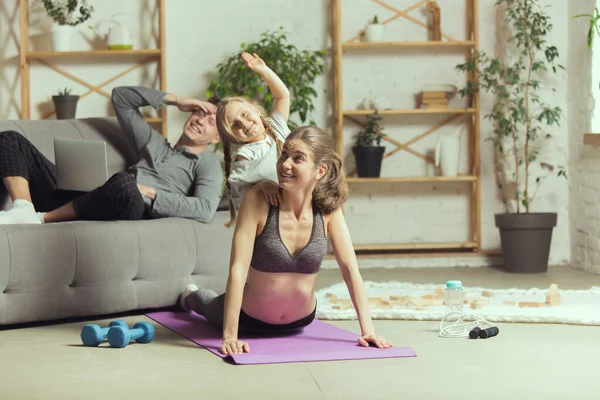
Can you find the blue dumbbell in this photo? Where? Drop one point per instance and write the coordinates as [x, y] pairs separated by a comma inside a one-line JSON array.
[[142, 332], [93, 335]]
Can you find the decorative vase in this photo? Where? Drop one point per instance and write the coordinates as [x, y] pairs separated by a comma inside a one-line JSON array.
[[61, 37], [447, 154], [374, 32]]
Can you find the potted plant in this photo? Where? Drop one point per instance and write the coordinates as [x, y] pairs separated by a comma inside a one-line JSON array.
[[368, 151], [374, 30], [65, 104], [521, 119], [297, 68], [66, 14]]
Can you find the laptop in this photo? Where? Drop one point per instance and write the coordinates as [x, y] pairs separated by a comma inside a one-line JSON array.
[[81, 165]]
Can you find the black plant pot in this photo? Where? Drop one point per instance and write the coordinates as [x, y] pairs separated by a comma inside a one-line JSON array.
[[368, 161], [65, 106], [526, 240]]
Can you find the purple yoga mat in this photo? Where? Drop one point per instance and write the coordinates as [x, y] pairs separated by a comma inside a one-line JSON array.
[[319, 341]]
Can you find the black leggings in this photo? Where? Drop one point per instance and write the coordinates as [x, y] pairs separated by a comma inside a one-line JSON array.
[[118, 199], [214, 309]]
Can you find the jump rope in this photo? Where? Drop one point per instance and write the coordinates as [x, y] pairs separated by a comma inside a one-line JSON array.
[[453, 325]]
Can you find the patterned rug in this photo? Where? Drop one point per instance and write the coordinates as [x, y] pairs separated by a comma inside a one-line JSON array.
[[408, 301]]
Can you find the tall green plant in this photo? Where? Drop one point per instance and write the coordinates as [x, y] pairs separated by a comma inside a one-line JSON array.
[[519, 115], [297, 68]]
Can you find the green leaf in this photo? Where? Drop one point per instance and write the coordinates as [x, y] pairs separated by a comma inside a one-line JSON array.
[[297, 68], [515, 81]]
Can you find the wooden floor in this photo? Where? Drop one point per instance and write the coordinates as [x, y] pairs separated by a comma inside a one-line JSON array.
[[525, 361]]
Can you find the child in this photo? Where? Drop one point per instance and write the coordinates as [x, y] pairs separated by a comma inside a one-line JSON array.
[[252, 140]]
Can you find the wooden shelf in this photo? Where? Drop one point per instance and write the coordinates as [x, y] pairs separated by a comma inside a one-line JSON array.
[[442, 117], [413, 179], [415, 111], [62, 62], [428, 44], [415, 246], [37, 55]]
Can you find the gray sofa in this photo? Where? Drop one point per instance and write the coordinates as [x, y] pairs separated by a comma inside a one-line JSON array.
[[87, 268]]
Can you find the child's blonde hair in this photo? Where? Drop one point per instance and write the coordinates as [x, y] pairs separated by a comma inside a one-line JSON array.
[[224, 128]]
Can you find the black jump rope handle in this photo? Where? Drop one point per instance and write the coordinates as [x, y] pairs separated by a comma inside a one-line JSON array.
[[483, 333], [474, 334]]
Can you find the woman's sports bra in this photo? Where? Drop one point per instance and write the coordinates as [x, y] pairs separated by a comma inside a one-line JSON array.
[[271, 255]]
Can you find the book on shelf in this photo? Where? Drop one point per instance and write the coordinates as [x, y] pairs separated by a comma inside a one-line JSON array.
[[434, 103], [433, 95]]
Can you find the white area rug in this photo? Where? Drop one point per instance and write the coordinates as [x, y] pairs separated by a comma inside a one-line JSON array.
[[579, 307]]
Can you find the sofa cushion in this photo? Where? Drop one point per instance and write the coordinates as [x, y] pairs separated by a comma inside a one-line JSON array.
[[82, 268]]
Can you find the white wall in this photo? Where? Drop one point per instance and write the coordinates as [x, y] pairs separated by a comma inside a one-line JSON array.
[[200, 34], [584, 112]]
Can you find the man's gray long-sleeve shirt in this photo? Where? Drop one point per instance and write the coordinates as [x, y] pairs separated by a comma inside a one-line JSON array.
[[187, 185]]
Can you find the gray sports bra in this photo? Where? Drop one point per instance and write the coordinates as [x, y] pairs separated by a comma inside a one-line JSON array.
[[271, 255]]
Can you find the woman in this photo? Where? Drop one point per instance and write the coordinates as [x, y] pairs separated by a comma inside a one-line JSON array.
[[280, 249]]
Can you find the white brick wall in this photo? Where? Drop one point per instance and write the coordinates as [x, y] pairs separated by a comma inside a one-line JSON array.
[[197, 41], [584, 77]]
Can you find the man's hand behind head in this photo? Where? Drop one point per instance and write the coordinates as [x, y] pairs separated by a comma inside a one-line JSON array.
[[193, 105]]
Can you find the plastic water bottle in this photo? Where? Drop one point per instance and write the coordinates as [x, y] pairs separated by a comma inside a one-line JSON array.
[[454, 297]]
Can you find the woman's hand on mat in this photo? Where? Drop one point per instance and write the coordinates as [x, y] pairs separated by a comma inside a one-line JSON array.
[[270, 191], [254, 62], [231, 346], [364, 341]]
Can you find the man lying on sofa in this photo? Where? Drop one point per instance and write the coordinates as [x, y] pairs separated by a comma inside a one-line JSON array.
[[182, 181]]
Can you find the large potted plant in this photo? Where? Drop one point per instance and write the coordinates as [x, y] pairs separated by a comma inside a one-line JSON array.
[[521, 120], [368, 151], [66, 14], [297, 68]]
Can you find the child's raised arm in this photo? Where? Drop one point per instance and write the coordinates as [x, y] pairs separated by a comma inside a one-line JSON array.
[[278, 89]]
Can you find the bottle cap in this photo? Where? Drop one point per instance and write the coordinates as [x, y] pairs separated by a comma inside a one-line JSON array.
[[453, 284]]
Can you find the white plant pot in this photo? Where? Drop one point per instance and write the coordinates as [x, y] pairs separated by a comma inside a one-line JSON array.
[[374, 32], [61, 37]]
